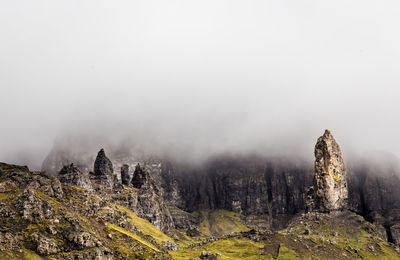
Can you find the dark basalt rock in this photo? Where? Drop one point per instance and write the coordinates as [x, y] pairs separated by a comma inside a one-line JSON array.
[[140, 177], [125, 176], [103, 171], [71, 175], [103, 165]]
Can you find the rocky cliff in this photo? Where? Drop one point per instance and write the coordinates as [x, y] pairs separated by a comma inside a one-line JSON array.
[[264, 190]]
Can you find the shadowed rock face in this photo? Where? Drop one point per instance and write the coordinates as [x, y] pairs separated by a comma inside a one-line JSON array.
[[125, 177], [103, 165], [140, 177], [330, 184], [103, 170], [71, 175]]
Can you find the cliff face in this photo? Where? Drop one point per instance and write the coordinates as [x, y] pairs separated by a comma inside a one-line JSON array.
[[246, 185], [271, 187]]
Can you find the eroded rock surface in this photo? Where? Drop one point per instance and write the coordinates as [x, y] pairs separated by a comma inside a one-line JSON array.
[[148, 204], [330, 190], [125, 176], [103, 170], [71, 175]]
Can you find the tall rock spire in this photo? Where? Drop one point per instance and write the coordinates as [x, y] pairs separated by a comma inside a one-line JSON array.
[[330, 183], [103, 165], [103, 170]]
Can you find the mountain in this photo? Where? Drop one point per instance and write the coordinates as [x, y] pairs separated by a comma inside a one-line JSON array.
[[229, 207]]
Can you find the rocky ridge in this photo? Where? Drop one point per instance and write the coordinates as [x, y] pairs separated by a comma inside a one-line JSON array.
[[230, 208]]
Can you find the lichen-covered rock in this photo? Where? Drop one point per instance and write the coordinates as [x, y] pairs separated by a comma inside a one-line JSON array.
[[44, 245], [208, 255], [57, 189], [395, 233], [8, 240], [32, 207], [125, 176], [71, 175], [82, 239], [171, 246], [330, 178]]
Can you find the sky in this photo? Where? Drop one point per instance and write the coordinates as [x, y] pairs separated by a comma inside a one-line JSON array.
[[197, 78]]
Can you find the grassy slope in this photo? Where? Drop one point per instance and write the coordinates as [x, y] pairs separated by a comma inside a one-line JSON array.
[[221, 222], [136, 237], [145, 226], [347, 236]]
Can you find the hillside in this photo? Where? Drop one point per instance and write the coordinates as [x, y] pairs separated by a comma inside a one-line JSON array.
[[157, 214]]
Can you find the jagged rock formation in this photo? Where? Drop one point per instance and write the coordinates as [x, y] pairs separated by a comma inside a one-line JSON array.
[[125, 176], [228, 201], [270, 187], [330, 190], [71, 175], [103, 170], [140, 177], [103, 165], [40, 217], [148, 203]]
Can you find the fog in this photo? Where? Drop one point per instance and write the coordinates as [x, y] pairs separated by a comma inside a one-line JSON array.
[[197, 78]]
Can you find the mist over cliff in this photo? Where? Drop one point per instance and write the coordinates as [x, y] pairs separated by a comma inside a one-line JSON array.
[[193, 80]]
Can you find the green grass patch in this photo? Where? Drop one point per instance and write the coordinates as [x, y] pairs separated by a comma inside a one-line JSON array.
[[286, 253], [136, 237], [221, 222], [4, 196], [236, 248], [143, 225]]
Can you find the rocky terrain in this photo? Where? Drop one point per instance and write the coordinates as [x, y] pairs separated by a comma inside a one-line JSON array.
[[230, 207]]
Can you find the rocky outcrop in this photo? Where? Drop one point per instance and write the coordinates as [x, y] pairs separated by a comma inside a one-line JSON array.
[[103, 170], [39, 217], [148, 204], [140, 177], [71, 175], [44, 245], [103, 165], [32, 207], [125, 176], [208, 255], [330, 190]]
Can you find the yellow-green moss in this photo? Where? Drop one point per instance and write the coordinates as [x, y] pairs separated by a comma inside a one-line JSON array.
[[336, 177], [286, 253], [30, 255], [136, 237], [221, 222], [145, 226], [4, 196]]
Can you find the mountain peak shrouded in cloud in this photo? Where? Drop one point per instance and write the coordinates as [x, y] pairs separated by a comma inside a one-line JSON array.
[[195, 79]]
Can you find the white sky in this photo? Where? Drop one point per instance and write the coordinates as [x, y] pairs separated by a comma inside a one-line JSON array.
[[205, 76]]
